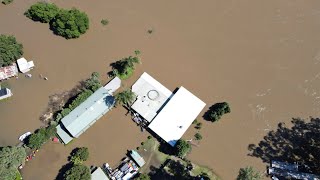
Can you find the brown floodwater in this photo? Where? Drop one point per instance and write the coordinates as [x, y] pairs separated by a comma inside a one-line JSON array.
[[262, 57]]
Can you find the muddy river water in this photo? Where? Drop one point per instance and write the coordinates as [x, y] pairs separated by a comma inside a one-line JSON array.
[[262, 57]]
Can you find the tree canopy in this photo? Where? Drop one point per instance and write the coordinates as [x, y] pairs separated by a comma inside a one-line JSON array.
[[42, 11], [125, 67], [182, 148], [10, 50], [143, 177], [80, 155], [216, 111], [248, 173], [10, 159], [300, 142], [77, 172], [37, 139], [70, 23], [125, 97]]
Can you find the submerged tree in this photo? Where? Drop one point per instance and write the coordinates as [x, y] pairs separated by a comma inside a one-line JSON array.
[[78, 172], [125, 98], [42, 11], [80, 155], [248, 173], [299, 143], [216, 111], [125, 67], [10, 50], [70, 23]]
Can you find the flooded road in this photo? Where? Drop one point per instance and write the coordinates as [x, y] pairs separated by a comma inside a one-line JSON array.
[[260, 56]]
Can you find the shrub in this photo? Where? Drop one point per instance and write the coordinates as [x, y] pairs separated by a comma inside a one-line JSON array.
[[195, 121], [142, 143], [182, 148], [216, 111], [104, 22], [198, 136], [143, 177], [198, 126], [70, 23], [10, 50], [149, 137], [138, 148], [5, 2], [42, 11], [77, 172]]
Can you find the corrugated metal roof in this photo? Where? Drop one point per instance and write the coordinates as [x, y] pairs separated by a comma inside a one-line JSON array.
[[87, 113], [98, 174], [137, 158], [64, 136]]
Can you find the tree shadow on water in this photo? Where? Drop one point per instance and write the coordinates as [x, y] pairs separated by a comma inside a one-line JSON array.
[[297, 143]]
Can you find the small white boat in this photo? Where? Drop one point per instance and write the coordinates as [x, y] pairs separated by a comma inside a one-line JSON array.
[[23, 136]]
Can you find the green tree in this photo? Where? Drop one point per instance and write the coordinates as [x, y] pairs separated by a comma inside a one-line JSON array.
[[10, 50], [125, 67], [216, 111], [93, 83], [125, 98], [143, 177], [182, 148], [77, 172], [10, 159], [70, 23], [37, 139], [80, 155], [42, 11], [248, 173]]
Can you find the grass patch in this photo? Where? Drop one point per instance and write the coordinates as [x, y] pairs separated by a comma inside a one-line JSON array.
[[104, 22], [197, 170], [18, 175]]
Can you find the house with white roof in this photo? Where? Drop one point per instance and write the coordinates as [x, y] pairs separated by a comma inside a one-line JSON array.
[[5, 93], [24, 65], [169, 115]]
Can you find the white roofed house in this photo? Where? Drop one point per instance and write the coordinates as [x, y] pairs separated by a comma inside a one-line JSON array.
[[176, 116], [169, 115], [24, 65], [5, 93], [151, 96]]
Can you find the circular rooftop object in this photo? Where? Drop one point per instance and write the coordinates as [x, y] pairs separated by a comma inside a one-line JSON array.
[[153, 94]]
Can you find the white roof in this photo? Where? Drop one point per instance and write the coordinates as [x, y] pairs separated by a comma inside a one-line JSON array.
[[151, 96], [98, 174], [176, 117], [113, 85], [24, 66]]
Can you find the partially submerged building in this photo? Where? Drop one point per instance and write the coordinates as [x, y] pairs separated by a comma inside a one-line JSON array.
[[87, 113], [5, 93], [8, 71], [169, 115], [24, 65]]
